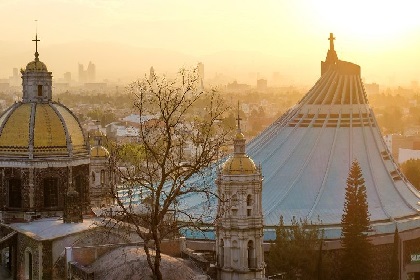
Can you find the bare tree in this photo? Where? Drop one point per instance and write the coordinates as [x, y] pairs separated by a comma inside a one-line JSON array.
[[176, 144]]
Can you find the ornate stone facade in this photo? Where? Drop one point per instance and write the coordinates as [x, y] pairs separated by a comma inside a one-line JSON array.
[[239, 228]]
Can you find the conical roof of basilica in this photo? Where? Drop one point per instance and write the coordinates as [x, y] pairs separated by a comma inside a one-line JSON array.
[[306, 154]]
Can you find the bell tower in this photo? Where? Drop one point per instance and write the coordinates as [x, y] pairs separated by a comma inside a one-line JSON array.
[[239, 226]]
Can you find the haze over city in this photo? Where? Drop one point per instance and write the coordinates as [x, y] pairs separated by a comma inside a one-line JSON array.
[[239, 39]]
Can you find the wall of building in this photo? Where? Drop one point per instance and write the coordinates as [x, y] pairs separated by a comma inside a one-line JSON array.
[[37, 194], [40, 257]]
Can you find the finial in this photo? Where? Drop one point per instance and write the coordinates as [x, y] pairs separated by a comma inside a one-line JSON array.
[[239, 119], [36, 41], [331, 39]]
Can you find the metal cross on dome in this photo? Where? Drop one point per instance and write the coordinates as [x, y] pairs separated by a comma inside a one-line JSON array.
[[239, 119], [36, 40], [331, 39]]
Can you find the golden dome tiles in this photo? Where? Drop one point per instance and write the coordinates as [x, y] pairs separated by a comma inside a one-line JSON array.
[[36, 66], [239, 165], [48, 130], [73, 126], [15, 132], [40, 129]]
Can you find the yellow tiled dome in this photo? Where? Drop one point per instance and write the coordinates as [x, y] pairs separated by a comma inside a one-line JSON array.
[[39, 130], [99, 152], [239, 165], [36, 66], [239, 136]]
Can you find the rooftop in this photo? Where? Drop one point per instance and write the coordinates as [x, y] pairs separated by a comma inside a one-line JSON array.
[[52, 228]]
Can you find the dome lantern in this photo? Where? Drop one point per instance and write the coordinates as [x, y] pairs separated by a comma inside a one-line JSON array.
[[239, 163], [36, 80]]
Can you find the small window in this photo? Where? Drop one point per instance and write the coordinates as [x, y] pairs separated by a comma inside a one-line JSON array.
[[28, 266], [248, 212], [39, 90], [50, 192], [252, 261], [93, 176], [15, 193], [249, 200]]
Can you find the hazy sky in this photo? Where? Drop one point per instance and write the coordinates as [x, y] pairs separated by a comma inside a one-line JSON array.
[[240, 39]]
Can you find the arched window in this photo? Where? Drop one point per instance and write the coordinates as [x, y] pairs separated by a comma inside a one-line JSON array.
[[234, 205], [15, 193], [249, 200], [51, 192], [249, 204], [39, 90], [28, 265], [252, 261]]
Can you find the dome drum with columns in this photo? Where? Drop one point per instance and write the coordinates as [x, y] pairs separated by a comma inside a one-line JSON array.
[[44, 157]]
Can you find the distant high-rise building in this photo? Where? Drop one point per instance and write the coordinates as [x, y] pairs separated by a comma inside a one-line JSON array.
[[88, 75], [261, 84], [15, 79], [91, 72], [82, 74], [67, 77]]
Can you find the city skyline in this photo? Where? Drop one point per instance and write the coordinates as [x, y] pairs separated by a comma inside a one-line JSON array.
[[237, 39]]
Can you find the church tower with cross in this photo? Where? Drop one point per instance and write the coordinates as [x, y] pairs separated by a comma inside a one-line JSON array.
[[239, 226], [332, 58], [36, 80]]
